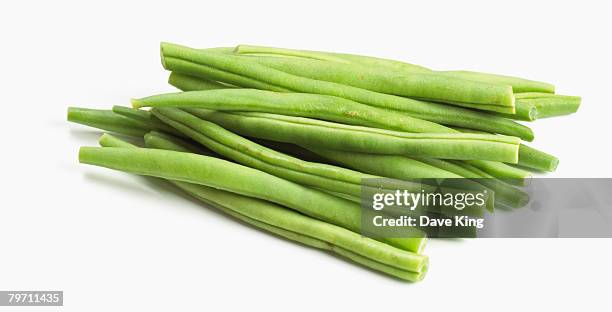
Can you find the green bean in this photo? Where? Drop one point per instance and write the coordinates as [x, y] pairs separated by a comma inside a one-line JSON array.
[[529, 157], [536, 105], [107, 140], [145, 118], [524, 110], [532, 158], [138, 115], [186, 82], [107, 120], [311, 132], [535, 95], [458, 168], [210, 73], [507, 173], [428, 86], [328, 56], [501, 171], [518, 84], [122, 120], [242, 72], [191, 83], [300, 228], [159, 139], [293, 150], [505, 195], [391, 166], [294, 104], [550, 105], [350, 197]]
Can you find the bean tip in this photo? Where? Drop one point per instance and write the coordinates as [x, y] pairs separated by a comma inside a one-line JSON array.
[[69, 113], [83, 152], [75, 114], [161, 54], [553, 164], [136, 103], [103, 139]]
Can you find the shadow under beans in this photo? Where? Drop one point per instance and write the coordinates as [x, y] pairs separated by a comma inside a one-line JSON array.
[[147, 186], [116, 182], [159, 186], [301, 245]]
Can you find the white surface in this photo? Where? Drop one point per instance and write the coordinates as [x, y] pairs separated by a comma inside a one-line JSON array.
[[112, 241]]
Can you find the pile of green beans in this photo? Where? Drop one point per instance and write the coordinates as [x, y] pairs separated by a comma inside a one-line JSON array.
[[283, 140], [499, 170], [332, 179], [243, 72]]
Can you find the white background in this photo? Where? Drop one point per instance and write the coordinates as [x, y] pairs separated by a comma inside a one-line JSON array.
[[113, 241]]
